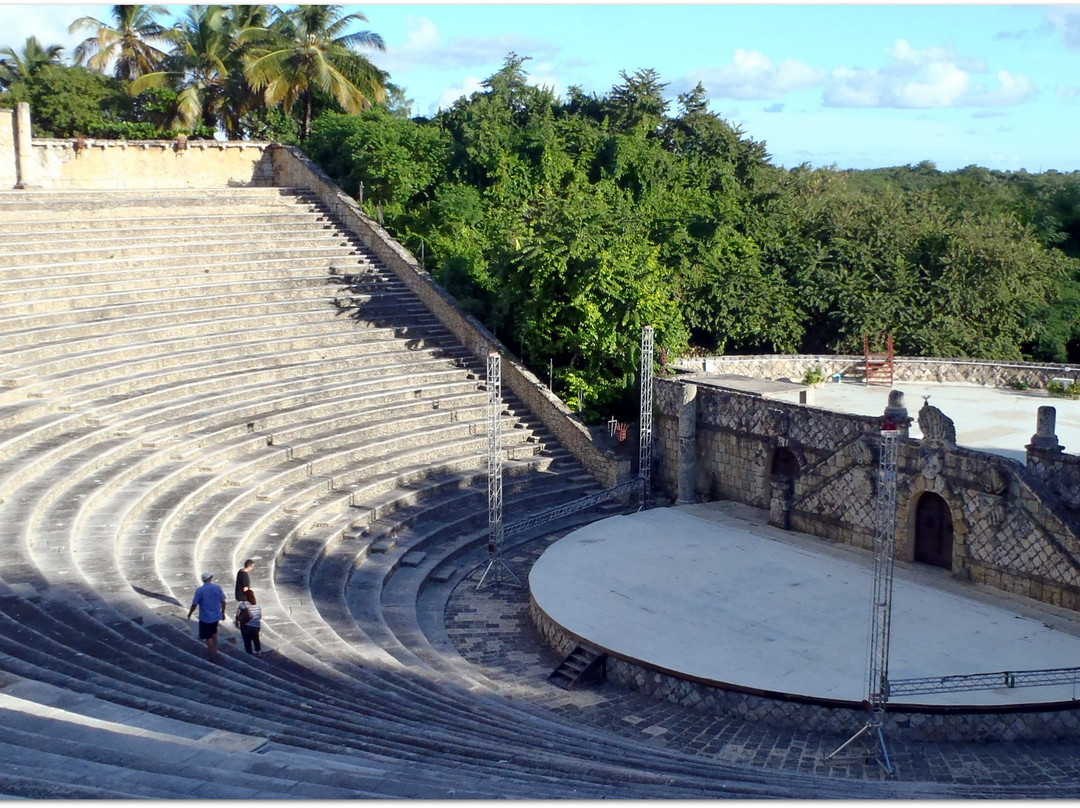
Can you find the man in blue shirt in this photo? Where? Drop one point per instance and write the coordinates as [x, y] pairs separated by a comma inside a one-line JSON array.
[[211, 602]]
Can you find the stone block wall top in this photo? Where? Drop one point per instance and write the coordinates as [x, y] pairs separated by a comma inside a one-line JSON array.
[[65, 164], [907, 369]]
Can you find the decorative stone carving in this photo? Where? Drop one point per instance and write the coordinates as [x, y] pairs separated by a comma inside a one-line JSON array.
[[936, 425], [993, 481], [930, 463], [862, 454], [781, 422]]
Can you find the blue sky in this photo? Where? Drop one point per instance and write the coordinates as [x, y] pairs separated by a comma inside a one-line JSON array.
[[856, 86]]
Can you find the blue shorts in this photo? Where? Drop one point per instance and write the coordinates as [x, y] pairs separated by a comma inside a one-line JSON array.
[[207, 630]]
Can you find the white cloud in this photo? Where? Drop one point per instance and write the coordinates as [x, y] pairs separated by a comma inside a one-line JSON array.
[[49, 23], [1066, 21], [470, 85], [1070, 95], [424, 47], [924, 79], [1011, 90], [939, 84], [753, 75]]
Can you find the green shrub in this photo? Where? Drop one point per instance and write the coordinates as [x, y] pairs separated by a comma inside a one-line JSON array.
[[814, 375], [1059, 390], [142, 130]]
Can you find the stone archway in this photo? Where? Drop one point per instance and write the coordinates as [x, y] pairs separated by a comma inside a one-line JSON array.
[[933, 531], [783, 469], [784, 463]]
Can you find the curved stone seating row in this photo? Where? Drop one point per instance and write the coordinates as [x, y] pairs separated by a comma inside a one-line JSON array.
[[321, 422], [97, 488]]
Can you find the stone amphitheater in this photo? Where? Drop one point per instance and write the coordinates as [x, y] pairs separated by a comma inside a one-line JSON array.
[[192, 376]]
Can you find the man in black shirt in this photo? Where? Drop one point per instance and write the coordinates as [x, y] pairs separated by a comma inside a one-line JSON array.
[[243, 579]]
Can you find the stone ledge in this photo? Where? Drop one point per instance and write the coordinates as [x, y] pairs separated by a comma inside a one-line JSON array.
[[1040, 722]]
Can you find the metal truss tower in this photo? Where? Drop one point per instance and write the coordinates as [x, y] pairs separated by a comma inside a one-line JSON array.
[[646, 417], [496, 568], [881, 601]]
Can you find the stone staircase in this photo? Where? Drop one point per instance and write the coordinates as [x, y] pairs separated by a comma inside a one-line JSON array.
[[192, 378], [584, 665]]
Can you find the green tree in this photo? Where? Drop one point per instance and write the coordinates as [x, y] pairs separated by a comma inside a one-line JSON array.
[[15, 65], [204, 69], [69, 101], [307, 50], [129, 43]]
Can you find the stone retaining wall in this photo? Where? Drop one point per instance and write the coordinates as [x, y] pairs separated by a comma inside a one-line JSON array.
[[78, 163], [1036, 722], [293, 168], [145, 164], [906, 368]]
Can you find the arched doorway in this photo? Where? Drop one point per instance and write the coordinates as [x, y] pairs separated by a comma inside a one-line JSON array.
[[933, 531], [784, 463], [783, 470]]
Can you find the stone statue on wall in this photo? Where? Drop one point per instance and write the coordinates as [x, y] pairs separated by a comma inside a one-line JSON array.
[[936, 425]]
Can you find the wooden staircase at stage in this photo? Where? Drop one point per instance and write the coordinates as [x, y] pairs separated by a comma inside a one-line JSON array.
[[878, 366]]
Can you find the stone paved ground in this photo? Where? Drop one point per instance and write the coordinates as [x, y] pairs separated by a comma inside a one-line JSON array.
[[491, 629]]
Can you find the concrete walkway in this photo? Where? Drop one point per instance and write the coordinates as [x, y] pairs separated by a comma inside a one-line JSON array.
[[698, 591]]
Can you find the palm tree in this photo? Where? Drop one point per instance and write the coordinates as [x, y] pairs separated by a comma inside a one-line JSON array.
[[34, 55], [203, 58], [306, 50], [126, 43]]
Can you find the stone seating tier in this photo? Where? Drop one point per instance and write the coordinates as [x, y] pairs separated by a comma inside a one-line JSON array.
[[170, 403], [191, 378]]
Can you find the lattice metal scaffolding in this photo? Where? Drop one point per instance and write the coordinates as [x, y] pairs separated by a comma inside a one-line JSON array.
[[881, 601], [984, 681], [570, 508], [496, 570]]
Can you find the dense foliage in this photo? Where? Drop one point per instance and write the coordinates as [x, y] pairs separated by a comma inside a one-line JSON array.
[[566, 225], [247, 71]]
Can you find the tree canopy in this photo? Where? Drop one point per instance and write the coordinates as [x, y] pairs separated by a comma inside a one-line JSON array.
[[566, 224]]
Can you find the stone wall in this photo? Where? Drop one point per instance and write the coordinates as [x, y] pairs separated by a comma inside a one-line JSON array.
[[293, 168], [906, 369], [9, 176], [64, 164], [143, 164], [912, 723], [1011, 528]]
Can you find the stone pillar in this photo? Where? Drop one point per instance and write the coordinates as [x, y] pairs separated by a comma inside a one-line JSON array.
[[24, 149], [781, 495], [1045, 437], [896, 412], [9, 175], [687, 444]]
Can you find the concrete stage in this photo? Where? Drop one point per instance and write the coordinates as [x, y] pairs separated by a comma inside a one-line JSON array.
[[713, 592]]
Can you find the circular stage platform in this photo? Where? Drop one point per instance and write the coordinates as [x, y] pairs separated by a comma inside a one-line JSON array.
[[713, 595]]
